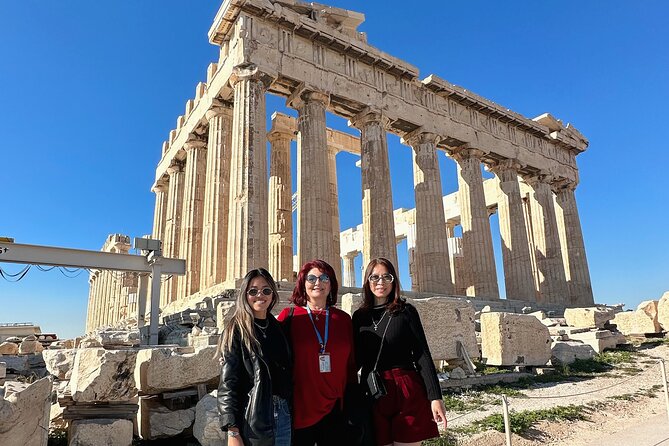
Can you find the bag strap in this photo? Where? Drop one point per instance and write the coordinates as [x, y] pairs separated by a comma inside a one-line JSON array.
[[376, 363]]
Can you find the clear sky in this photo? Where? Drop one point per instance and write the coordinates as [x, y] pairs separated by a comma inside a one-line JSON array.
[[89, 91]]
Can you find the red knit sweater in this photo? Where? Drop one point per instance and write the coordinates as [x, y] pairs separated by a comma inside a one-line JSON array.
[[315, 393]]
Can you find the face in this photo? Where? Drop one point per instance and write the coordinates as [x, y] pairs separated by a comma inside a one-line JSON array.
[[317, 292], [382, 288], [261, 301]]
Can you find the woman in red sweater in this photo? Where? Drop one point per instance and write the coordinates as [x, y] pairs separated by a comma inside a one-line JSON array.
[[322, 341]]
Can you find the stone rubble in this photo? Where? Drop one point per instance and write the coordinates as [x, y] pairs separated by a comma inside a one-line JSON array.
[[24, 413]]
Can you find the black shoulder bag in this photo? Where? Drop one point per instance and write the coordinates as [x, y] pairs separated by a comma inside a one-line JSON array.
[[374, 382]]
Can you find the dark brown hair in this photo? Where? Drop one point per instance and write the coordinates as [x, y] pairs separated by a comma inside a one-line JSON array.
[[395, 301], [299, 296]]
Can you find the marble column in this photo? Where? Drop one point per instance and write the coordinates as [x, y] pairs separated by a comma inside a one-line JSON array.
[[456, 259], [314, 207], [160, 210], [480, 273], [579, 285], [334, 208], [431, 252], [518, 278], [171, 243], [348, 272], [280, 205], [91, 303], [192, 218], [216, 196], [247, 220], [378, 224], [411, 257], [551, 274]]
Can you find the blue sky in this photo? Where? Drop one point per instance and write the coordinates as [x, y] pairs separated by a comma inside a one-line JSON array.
[[89, 91]]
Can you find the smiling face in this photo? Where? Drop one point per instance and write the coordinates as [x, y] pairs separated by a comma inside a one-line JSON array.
[[317, 293], [380, 289], [260, 302]]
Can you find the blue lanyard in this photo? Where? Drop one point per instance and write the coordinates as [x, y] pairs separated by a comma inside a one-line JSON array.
[[321, 342]]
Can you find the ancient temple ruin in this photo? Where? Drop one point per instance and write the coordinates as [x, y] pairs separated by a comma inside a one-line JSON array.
[[217, 208]]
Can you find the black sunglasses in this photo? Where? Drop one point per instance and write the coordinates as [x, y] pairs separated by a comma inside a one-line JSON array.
[[253, 292]]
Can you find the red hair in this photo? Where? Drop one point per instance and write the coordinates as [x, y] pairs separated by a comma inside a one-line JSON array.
[[299, 296]]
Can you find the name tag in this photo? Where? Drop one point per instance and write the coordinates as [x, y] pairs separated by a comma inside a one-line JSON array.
[[324, 363]]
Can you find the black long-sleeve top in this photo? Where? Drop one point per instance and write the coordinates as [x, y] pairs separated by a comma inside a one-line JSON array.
[[404, 346], [276, 353]]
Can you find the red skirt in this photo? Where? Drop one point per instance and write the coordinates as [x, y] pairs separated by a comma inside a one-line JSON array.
[[404, 414]]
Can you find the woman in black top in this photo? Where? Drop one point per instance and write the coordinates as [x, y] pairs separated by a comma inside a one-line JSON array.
[[413, 406], [256, 375]]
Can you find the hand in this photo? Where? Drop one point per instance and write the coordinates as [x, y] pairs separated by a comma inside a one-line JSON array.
[[439, 412], [236, 440]]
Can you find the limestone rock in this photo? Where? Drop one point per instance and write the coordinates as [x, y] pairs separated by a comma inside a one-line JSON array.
[[30, 345], [514, 339], [351, 302], [59, 362], [643, 320], [89, 343], [101, 431], [161, 369], [63, 343], [224, 312], [3, 370], [446, 321], [599, 340], [569, 351], [24, 413], [56, 417], [663, 311], [156, 421], [588, 317], [103, 375], [207, 429], [9, 348], [109, 337], [457, 373]]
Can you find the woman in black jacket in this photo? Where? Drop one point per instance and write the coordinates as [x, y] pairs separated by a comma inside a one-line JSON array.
[[412, 407], [256, 374]]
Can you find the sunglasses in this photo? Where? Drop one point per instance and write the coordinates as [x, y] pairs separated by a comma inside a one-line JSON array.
[[323, 278], [253, 292], [384, 278]]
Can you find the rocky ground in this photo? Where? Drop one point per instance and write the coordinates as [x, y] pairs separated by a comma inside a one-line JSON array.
[[626, 396]]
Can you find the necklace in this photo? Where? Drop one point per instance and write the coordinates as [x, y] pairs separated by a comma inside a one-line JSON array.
[[317, 313], [262, 329], [376, 323]]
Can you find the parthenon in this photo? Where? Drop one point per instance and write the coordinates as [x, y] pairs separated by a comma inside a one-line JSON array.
[[224, 207]]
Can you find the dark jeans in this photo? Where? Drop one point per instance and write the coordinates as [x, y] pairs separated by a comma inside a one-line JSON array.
[[329, 431]]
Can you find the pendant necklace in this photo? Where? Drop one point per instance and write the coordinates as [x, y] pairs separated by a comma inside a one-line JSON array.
[[376, 323], [316, 314], [262, 329]]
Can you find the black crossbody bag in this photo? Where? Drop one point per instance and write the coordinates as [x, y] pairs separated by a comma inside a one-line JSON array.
[[374, 382]]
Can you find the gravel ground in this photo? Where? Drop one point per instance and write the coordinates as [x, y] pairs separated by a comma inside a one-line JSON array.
[[607, 419]]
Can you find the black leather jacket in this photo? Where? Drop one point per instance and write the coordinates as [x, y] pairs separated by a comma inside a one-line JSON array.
[[245, 393]]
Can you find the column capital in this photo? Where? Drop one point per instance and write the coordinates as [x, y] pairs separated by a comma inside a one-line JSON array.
[[195, 142], [560, 184], [218, 108], [541, 177], [176, 166], [369, 116], [280, 134], [506, 165], [464, 153], [251, 73], [303, 95], [419, 136], [160, 185]]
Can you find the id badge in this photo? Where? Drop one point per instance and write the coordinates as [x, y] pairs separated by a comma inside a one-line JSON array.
[[324, 363]]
